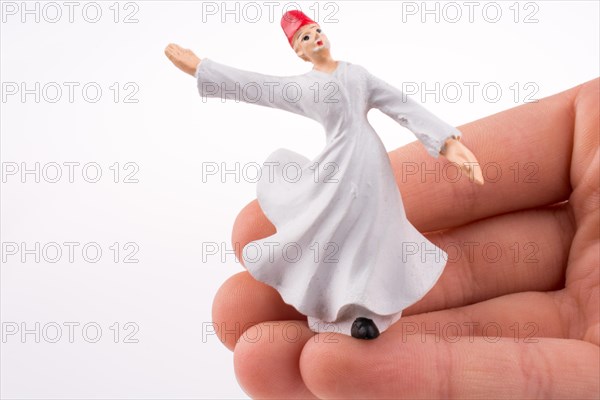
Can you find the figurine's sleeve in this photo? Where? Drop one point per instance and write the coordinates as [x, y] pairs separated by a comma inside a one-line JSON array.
[[429, 129], [225, 82]]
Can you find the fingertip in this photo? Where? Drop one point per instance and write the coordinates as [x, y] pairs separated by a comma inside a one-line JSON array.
[[266, 360], [335, 365], [224, 308], [339, 366], [242, 302], [251, 224]]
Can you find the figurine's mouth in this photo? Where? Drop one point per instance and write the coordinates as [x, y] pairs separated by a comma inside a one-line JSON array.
[[319, 43]]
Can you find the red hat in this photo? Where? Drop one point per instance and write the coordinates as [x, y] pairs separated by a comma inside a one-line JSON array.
[[292, 21]]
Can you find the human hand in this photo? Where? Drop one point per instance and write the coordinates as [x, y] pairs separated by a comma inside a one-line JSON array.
[[524, 325], [184, 59], [459, 154]]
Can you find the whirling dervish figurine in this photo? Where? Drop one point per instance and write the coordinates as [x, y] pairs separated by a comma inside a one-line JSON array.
[[344, 251]]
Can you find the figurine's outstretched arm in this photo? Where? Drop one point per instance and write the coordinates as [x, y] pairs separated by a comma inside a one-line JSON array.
[[222, 81], [438, 137]]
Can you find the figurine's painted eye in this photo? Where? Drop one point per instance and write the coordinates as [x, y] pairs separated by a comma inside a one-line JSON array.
[[306, 38], [319, 30]]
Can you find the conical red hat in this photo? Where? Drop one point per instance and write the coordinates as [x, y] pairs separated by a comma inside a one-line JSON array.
[[292, 21]]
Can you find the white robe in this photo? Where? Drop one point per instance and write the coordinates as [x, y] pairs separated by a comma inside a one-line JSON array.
[[343, 248]]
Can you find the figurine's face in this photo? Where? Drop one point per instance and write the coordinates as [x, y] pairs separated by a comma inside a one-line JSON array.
[[310, 42]]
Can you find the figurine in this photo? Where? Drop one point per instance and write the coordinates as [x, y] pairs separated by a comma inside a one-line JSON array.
[[344, 251]]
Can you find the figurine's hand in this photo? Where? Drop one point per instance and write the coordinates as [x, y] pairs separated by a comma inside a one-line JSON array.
[[458, 153], [515, 313], [184, 59]]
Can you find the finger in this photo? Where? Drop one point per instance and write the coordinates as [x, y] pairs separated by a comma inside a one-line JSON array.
[[269, 352], [517, 252], [242, 302], [267, 360], [389, 368], [583, 272], [251, 224], [521, 316]]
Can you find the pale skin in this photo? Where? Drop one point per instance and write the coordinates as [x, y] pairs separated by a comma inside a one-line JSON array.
[[312, 45]]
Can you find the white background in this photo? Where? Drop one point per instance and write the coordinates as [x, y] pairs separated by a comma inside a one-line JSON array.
[[170, 132]]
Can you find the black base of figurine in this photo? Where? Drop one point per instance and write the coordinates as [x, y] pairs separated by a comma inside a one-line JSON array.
[[364, 328]]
